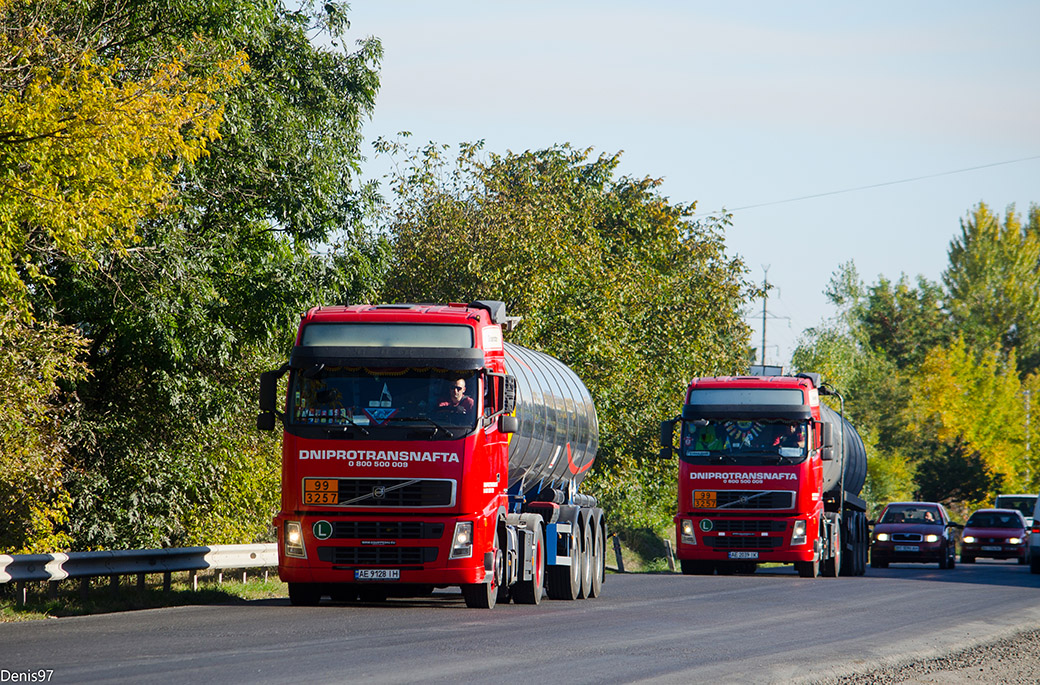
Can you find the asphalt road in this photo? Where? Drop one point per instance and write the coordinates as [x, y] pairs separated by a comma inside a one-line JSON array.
[[769, 627]]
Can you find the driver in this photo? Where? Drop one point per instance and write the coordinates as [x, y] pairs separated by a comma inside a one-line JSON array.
[[457, 402]]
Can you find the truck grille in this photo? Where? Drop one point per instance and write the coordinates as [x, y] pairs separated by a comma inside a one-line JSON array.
[[747, 526], [386, 530], [377, 556], [906, 537], [757, 500], [757, 542], [395, 492]]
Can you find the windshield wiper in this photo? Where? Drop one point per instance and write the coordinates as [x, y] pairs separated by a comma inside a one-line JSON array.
[[721, 457], [344, 429], [437, 428]]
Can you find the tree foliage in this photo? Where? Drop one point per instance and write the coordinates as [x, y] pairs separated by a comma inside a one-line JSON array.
[[608, 275]]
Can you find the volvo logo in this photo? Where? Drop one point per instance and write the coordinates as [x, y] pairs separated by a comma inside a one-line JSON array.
[[379, 491]]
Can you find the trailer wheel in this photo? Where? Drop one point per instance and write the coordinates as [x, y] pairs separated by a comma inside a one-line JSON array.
[[586, 559], [304, 594], [530, 591], [564, 582], [599, 557], [485, 595]]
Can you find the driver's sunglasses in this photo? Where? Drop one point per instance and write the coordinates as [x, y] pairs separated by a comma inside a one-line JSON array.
[[459, 388]]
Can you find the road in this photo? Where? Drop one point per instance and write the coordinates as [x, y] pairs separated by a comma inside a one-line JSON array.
[[769, 627]]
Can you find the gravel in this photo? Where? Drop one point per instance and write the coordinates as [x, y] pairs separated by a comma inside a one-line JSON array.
[[1011, 660]]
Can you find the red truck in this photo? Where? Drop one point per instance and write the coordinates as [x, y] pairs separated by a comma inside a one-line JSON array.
[[421, 450], [767, 474]]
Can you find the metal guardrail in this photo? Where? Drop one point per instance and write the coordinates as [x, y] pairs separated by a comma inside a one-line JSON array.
[[24, 568]]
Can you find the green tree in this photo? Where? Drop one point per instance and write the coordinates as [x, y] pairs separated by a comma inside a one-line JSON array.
[[993, 283], [164, 446], [609, 277]]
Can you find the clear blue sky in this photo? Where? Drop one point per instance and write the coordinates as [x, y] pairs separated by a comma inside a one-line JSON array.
[[745, 103]]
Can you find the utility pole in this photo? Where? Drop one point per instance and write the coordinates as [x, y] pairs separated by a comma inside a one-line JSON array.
[[765, 297]]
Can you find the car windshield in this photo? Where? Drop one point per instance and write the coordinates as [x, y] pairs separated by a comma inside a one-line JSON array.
[[366, 398], [1023, 504], [994, 519], [911, 514], [747, 442]]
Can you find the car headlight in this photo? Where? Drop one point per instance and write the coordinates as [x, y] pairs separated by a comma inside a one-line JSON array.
[[799, 534], [294, 540], [687, 533], [882, 537], [462, 542], [968, 539], [1015, 541], [931, 538]]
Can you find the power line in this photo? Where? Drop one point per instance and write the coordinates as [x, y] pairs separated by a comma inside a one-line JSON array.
[[867, 187]]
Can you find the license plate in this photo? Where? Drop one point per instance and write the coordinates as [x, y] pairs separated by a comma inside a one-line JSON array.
[[377, 574], [991, 548], [743, 555], [704, 499], [908, 548]]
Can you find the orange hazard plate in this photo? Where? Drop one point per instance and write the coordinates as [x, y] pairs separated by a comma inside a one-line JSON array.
[[704, 499], [320, 491]]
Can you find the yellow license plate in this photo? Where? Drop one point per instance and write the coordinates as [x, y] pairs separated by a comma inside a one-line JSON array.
[[704, 499], [320, 491]]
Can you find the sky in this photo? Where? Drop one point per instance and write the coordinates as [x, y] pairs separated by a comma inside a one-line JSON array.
[[833, 132]]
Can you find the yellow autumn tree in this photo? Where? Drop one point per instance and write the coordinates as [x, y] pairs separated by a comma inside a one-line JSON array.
[[87, 147], [977, 400]]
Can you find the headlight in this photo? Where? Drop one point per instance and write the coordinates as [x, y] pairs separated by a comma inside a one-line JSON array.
[[462, 542], [687, 533], [968, 539], [798, 533], [931, 538], [882, 537], [1015, 541], [294, 540]]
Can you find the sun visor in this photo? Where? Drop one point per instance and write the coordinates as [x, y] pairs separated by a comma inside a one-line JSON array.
[[748, 412], [466, 359]]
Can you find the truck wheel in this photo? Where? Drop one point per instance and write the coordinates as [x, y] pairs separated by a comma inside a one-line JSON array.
[[485, 595], [304, 594], [691, 567], [564, 582], [1034, 564], [586, 559], [599, 558], [808, 569], [967, 559], [530, 591], [832, 567]]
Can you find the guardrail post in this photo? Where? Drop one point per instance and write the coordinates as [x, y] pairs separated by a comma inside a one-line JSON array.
[[245, 573], [52, 589], [166, 581], [193, 576], [23, 593], [84, 587], [140, 582], [617, 554], [671, 557], [113, 583]]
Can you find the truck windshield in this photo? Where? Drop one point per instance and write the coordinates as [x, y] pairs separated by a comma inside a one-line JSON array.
[[744, 442], [441, 401]]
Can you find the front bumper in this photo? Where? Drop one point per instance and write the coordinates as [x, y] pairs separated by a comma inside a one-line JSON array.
[[906, 552]]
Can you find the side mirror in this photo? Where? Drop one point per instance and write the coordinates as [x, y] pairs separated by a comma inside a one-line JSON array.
[[269, 391], [827, 441], [508, 424], [667, 433], [265, 421], [508, 395]]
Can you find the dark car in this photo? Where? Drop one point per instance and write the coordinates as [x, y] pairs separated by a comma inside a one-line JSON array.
[[916, 532], [995, 534]]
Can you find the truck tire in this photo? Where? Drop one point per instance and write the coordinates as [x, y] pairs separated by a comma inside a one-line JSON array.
[[304, 594], [586, 559], [531, 591], [692, 567], [832, 567], [1034, 564], [485, 595], [599, 557], [808, 569], [564, 582]]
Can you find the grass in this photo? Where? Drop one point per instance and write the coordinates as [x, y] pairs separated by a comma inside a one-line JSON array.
[[103, 598]]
